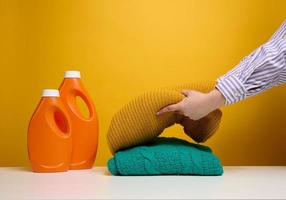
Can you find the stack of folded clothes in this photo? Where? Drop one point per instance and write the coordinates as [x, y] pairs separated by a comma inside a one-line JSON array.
[[133, 137], [166, 156]]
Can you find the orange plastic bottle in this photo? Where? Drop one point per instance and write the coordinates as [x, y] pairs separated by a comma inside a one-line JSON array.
[[49, 135], [85, 130]]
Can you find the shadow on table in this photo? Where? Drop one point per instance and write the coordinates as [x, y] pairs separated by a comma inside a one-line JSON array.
[[25, 169]]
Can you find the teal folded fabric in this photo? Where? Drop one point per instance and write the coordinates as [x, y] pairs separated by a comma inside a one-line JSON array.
[[166, 156]]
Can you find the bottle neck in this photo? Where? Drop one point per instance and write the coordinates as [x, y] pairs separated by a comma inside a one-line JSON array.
[[71, 83], [72, 80]]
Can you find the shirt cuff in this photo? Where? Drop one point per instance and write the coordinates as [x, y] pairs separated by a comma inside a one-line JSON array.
[[231, 88]]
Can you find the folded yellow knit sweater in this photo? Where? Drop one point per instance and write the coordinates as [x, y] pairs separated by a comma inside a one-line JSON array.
[[137, 123]]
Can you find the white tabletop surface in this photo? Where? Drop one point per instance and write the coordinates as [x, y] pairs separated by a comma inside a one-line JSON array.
[[97, 183]]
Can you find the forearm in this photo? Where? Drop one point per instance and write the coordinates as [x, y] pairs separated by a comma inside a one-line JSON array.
[[216, 99], [261, 70]]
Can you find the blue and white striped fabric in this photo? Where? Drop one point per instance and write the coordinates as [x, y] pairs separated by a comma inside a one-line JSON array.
[[262, 69]]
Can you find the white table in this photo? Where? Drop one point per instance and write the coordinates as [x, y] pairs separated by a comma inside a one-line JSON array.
[[97, 183]]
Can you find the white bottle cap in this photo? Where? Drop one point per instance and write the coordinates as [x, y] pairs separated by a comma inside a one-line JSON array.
[[72, 74], [50, 93]]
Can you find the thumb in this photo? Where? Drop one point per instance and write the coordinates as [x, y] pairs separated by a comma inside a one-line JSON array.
[[170, 108]]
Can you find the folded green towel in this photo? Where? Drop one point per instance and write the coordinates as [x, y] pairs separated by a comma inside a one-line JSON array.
[[166, 156]]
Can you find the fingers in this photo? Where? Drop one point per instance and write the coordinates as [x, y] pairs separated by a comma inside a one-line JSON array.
[[170, 108], [186, 92]]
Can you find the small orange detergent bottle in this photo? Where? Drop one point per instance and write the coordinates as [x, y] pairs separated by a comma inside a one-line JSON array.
[[85, 129], [49, 135]]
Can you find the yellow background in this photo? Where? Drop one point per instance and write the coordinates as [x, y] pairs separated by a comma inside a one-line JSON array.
[[124, 47]]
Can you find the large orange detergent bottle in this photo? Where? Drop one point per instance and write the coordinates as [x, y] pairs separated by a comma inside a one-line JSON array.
[[49, 135], [85, 130]]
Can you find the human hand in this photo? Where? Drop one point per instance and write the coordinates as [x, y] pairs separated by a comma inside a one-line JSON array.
[[196, 104]]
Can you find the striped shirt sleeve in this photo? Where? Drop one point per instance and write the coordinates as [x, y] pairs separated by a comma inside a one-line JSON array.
[[262, 69]]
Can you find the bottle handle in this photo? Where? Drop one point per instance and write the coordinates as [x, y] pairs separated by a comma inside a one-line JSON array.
[[61, 121], [88, 103]]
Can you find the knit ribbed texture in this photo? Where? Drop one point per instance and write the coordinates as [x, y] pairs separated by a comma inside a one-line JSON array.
[[137, 123], [201, 130], [166, 156]]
